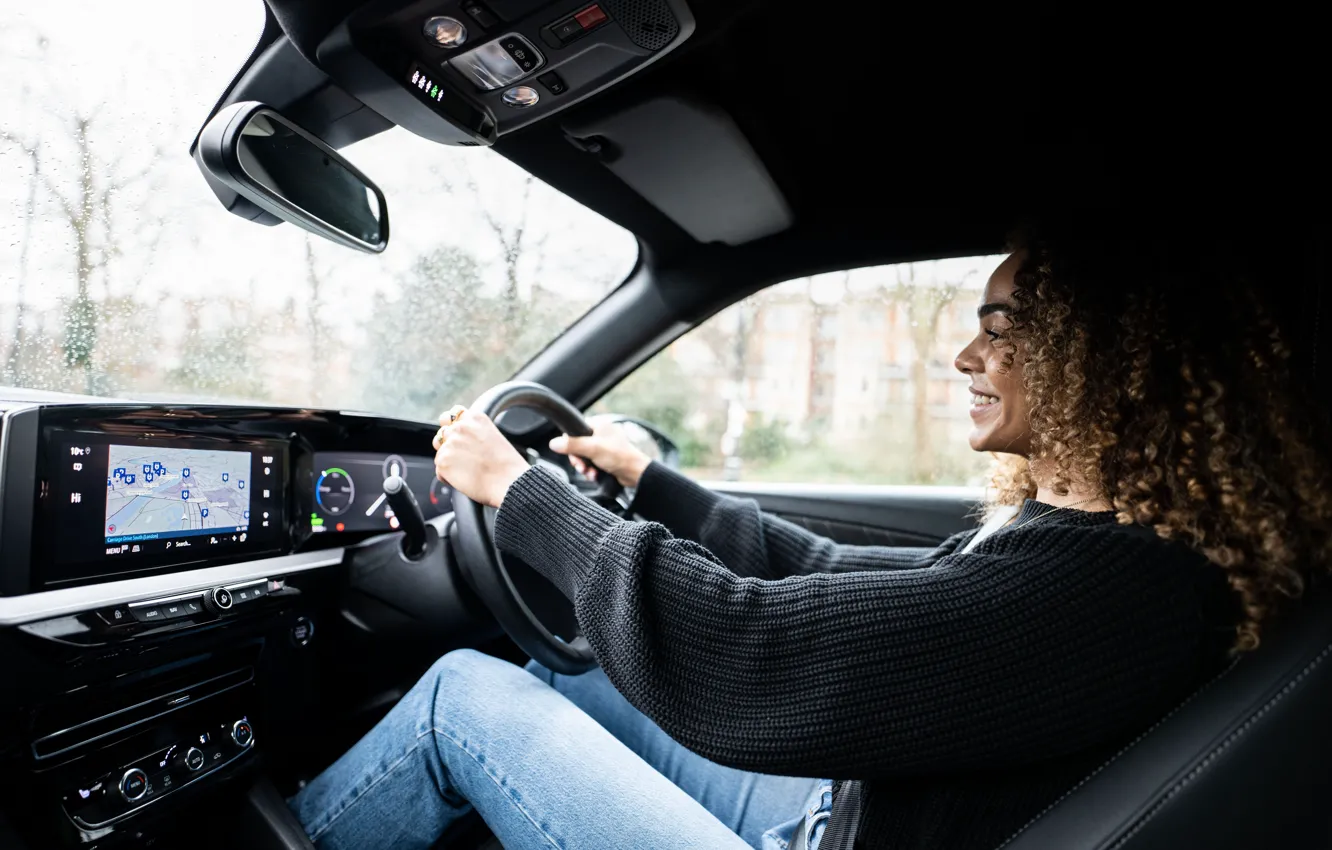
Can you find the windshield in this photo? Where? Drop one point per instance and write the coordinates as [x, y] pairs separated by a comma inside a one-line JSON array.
[[123, 275]]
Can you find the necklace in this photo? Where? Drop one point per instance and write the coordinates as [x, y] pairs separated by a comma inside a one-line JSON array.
[[1053, 510]]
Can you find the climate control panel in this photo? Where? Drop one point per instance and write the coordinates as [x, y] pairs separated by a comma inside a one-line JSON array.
[[120, 792]]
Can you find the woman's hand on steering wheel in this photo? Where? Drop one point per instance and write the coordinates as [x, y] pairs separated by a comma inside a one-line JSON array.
[[474, 458], [609, 449]]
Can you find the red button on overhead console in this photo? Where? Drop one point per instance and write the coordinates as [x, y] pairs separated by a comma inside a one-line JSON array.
[[590, 17]]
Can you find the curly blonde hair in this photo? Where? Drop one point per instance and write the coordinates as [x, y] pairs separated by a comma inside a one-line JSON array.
[[1156, 375]]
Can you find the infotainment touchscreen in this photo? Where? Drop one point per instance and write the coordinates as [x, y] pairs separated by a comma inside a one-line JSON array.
[[170, 494], [121, 506]]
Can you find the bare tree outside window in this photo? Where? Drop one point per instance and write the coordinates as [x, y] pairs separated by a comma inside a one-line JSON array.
[[120, 273], [854, 384]]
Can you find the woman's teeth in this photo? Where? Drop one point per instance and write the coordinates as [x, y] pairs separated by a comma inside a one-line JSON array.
[[980, 400]]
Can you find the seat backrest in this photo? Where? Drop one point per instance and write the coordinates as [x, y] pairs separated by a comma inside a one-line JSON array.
[[1246, 762]]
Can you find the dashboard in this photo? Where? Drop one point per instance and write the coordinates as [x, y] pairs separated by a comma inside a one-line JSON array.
[[164, 571], [95, 494]]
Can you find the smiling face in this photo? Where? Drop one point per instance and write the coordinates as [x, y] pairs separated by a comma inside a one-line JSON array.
[[999, 405]]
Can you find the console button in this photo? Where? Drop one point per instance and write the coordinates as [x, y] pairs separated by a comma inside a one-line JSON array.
[[590, 17], [248, 594], [521, 52], [171, 610], [193, 606], [568, 30], [218, 599], [133, 785], [553, 83], [117, 615], [302, 631], [242, 734], [148, 613], [194, 758], [480, 14]]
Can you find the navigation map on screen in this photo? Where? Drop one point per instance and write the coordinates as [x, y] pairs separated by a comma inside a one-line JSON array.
[[155, 493]]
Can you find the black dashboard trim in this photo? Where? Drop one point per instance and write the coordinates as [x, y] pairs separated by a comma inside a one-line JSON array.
[[17, 610], [18, 481]]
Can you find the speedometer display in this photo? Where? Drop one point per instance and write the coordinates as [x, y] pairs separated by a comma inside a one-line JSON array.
[[335, 491], [349, 490]]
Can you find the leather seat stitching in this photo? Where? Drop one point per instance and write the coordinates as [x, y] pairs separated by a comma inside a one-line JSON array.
[[1212, 757], [1115, 757]]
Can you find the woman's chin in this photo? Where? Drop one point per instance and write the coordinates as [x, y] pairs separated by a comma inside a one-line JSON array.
[[979, 440]]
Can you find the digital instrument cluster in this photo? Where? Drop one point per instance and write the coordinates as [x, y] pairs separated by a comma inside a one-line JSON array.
[[349, 490]]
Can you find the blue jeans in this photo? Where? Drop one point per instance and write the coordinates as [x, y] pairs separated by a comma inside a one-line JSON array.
[[549, 761]]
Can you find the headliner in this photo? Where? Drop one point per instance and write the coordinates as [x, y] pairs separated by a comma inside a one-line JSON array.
[[900, 133]]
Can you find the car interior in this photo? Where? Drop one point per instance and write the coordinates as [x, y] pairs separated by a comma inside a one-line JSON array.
[[156, 697]]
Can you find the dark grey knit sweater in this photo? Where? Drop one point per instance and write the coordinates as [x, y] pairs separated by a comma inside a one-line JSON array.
[[966, 691]]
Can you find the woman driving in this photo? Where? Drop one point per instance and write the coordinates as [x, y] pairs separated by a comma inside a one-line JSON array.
[[1157, 502]]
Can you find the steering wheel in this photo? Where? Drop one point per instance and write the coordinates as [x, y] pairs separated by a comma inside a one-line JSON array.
[[501, 585]]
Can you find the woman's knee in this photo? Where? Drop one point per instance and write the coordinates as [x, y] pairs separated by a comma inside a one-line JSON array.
[[468, 666], [465, 681]]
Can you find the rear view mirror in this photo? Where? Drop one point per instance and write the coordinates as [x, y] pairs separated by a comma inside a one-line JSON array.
[[289, 173]]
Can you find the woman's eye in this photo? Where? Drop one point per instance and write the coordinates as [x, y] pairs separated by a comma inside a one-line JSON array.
[[993, 334]]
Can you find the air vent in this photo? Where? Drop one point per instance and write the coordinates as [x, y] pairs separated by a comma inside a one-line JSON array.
[[469, 144], [648, 23]]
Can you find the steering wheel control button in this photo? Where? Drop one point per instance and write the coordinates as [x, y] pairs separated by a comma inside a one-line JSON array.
[[302, 632], [133, 785], [194, 759], [553, 83], [242, 734]]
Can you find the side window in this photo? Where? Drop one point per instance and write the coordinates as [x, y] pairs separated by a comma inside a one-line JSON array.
[[844, 377]]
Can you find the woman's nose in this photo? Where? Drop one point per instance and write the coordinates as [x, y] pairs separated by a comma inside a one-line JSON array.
[[965, 361]]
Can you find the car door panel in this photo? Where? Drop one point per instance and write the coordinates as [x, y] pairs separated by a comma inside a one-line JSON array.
[[866, 515]]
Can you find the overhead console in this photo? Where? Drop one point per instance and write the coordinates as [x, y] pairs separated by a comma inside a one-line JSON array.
[[465, 72]]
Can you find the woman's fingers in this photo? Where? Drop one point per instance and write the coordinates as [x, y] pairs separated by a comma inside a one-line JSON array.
[[446, 419], [451, 415]]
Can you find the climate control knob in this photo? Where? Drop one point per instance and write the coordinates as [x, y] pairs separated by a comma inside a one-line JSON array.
[[133, 785], [192, 759], [242, 733]]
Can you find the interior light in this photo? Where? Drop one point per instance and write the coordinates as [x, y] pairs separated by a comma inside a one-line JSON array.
[[498, 63], [445, 31], [520, 96]]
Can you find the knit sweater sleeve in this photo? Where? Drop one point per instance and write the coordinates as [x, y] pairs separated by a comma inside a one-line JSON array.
[[1035, 645], [752, 543]]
